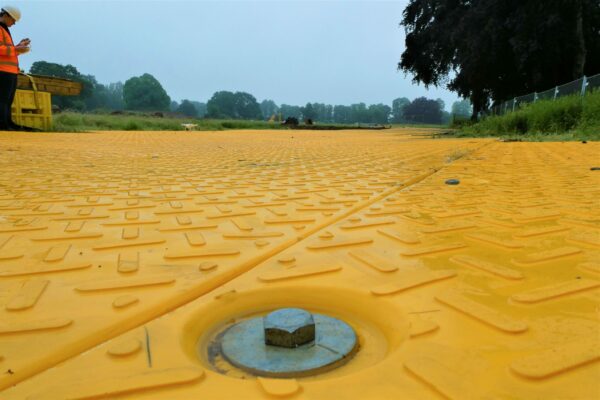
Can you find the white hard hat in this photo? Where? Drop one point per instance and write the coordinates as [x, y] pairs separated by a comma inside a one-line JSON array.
[[13, 12]]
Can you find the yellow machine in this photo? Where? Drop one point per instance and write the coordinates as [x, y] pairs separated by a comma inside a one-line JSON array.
[[32, 106]]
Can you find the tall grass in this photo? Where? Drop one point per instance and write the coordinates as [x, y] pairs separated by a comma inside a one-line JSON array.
[[76, 122], [570, 117]]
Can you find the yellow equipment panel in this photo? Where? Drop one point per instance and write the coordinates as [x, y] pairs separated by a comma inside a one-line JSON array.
[[33, 109], [123, 255]]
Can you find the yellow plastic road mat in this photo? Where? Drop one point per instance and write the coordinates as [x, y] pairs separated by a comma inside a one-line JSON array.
[[468, 269]]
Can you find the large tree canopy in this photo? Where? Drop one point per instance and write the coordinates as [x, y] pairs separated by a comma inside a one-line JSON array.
[[398, 109], [238, 105], [145, 93], [246, 106], [493, 50], [423, 111], [268, 108]]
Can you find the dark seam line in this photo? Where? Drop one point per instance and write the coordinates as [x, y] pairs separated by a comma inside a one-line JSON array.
[[149, 354]]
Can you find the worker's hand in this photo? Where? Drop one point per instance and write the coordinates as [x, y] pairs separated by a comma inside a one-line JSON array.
[[21, 49], [25, 42]]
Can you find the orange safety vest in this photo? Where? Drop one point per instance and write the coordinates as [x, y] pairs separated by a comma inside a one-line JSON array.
[[8, 54]]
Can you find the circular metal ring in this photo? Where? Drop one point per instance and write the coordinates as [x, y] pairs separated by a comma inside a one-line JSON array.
[[243, 345]]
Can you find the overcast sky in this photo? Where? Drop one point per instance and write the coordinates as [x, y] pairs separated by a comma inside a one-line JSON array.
[[293, 52]]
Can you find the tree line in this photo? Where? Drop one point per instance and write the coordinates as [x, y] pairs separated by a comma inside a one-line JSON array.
[[403, 111], [145, 93]]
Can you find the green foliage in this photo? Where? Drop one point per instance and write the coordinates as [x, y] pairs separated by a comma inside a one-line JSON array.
[[308, 112], [324, 112], [359, 113], [590, 114], [114, 96], [187, 108], [422, 110], [572, 115], [290, 111], [93, 94], [52, 69], [228, 105], [446, 118], [77, 122], [379, 113], [460, 121], [200, 108], [245, 124], [268, 108], [132, 125], [221, 105], [246, 106], [462, 109], [342, 114], [317, 112], [441, 103], [495, 50], [398, 109], [68, 72], [145, 93]]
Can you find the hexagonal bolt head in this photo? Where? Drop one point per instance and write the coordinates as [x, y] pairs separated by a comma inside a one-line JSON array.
[[289, 327]]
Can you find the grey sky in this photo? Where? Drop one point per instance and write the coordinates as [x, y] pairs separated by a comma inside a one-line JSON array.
[[293, 52]]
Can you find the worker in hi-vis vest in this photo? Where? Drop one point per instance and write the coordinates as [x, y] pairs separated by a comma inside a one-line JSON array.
[[9, 66]]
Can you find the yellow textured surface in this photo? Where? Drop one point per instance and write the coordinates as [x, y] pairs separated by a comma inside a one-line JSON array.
[[123, 254]]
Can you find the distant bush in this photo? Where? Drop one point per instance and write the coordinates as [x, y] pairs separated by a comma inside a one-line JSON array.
[[132, 125]]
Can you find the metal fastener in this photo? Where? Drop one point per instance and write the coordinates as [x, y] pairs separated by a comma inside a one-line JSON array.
[[289, 327], [452, 182], [288, 343]]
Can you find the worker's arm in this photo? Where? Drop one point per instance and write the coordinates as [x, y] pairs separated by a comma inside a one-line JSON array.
[[9, 50], [6, 47]]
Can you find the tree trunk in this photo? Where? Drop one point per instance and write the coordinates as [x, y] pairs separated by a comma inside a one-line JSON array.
[[580, 49], [475, 115], [477, 102]]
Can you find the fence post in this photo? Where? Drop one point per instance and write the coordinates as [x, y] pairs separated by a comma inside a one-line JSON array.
[[555, 92], [583, 86], [514, 103], [535, 97]]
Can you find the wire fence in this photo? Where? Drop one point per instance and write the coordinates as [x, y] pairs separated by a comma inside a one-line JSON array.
[[578, 87]]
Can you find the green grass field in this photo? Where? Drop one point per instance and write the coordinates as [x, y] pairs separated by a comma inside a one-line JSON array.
[[76, 122]]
